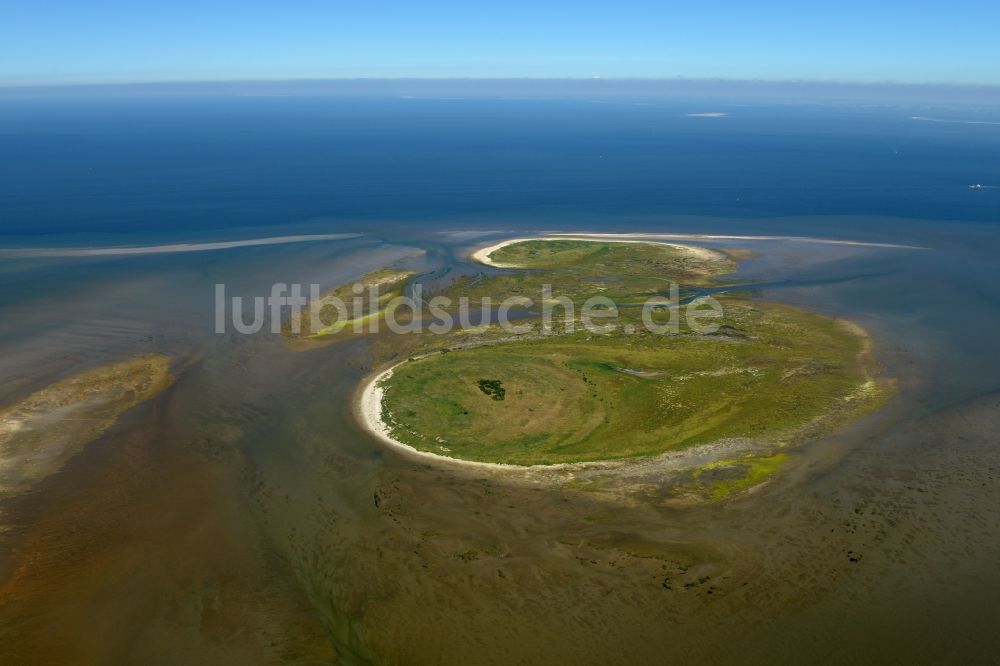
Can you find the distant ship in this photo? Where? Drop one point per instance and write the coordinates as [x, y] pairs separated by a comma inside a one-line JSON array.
[[977, 186]]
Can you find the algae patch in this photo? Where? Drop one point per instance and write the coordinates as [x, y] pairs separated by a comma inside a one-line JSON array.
[[750, 472]]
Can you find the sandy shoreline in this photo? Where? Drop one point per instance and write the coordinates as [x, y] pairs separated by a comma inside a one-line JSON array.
[[369, 404], [482, 255], [727, 237]]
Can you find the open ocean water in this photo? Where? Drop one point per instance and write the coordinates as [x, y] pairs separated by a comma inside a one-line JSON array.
[[193, 165]]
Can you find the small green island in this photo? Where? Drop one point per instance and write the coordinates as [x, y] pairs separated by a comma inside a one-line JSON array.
[[767, 372], [340, 313]]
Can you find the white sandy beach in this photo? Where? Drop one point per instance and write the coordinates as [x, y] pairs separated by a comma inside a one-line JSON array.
[[369, 412], [727, 237]]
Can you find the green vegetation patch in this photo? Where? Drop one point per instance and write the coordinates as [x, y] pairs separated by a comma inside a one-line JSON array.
[[750, 472], [625, 272], [615, 261], [493, 388], [359, 310], [585, 397]]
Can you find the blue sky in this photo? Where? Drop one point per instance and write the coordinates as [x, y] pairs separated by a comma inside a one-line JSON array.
[[142, 40]]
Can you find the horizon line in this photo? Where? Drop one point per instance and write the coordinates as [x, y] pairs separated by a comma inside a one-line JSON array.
[[7, 85], [567, 86]]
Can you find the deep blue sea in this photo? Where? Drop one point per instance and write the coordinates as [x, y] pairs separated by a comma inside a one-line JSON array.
[[201, 165]]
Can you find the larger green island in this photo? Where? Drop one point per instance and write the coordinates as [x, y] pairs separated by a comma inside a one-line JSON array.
[[767, 372]]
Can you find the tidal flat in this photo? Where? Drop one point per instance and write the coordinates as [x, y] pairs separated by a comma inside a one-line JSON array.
[[40, 433], [243, 515]]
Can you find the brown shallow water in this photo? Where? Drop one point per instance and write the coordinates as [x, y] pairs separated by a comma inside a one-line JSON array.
[[242, 516]]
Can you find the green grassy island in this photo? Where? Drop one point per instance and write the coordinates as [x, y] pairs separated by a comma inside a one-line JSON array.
[[584, 397], [770, 372]]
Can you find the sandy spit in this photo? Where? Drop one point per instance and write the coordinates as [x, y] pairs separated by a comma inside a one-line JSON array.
[[170, 248], [723, 237]]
